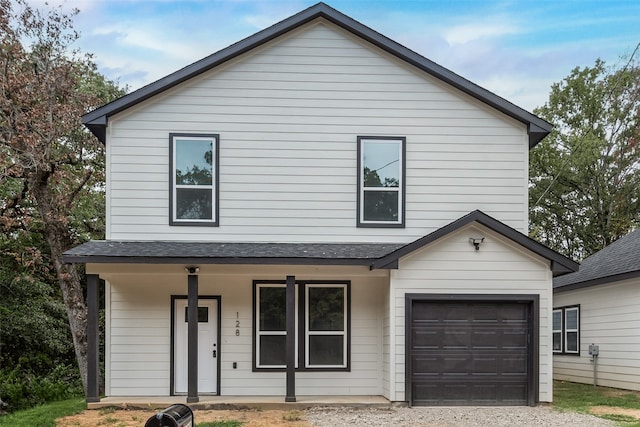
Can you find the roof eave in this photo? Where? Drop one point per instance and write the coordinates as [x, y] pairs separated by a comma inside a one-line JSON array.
[[101, 259], [597, 281], [559, 263]]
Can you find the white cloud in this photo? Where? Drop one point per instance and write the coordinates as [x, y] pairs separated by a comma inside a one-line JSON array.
[[462, 34]]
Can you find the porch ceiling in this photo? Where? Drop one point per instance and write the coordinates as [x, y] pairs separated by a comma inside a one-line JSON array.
[[168, 252]]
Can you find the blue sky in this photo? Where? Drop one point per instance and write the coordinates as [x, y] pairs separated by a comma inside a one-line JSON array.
[[515, 48]]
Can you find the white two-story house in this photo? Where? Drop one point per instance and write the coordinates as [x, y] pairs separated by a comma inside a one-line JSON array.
[[318, 210]]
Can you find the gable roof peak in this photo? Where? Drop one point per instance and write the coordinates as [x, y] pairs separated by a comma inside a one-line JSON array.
[[97, 120], [559, 263]]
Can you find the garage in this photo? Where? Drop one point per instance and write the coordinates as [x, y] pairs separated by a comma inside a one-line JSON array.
[[473, 350]]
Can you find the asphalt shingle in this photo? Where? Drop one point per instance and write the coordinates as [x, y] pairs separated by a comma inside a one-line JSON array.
[[164, 250], [620, 257]]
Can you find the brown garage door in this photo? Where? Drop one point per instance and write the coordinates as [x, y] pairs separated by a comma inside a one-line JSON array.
[[469, 353]]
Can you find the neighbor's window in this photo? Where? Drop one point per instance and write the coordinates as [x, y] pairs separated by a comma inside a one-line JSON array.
[[381, 167], [571, 330], [324, 329], [193, 179], [566, 330], [557, 331]]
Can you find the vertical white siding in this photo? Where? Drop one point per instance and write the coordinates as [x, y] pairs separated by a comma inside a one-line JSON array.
[[609, 317], [288, 115], [139, 326], [452, 266]]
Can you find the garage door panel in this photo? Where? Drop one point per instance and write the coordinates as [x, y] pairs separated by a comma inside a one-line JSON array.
[[470, 353], [485, 339], [450, 338], [425, 339], [470, 364], [485, 365], [455, 338], [515, 339], [514, 365], [479, 393]]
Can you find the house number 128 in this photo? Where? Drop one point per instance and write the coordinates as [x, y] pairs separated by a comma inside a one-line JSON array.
[[237, 324]]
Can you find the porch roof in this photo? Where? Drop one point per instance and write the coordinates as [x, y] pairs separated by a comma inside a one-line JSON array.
[[181, 252], [373, 255]]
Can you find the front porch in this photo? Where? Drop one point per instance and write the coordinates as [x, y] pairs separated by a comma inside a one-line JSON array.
[[242, 402]]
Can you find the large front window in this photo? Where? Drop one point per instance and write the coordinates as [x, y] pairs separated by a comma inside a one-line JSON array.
[[193, 179], [321, 324], [381, 181]]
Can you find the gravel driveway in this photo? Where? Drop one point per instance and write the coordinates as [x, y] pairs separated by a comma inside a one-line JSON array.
[[539, 416]]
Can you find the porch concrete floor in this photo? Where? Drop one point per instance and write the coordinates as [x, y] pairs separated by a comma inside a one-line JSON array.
[[241, 402]]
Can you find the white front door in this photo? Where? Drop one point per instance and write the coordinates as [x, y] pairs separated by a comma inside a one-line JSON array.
[[207, 346]]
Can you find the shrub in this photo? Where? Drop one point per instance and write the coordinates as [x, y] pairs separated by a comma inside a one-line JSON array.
[[22, 388]]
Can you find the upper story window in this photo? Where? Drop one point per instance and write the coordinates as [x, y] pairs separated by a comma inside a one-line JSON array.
[[381, 174], [193, 179], [566, 330]]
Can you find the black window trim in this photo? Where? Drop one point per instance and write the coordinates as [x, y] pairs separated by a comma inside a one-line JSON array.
[[216, 180], [563, 330], [300, 339], [403, 174]]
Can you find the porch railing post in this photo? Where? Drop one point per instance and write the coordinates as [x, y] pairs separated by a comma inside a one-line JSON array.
[[291, 340], [93, 342], [192, 339]]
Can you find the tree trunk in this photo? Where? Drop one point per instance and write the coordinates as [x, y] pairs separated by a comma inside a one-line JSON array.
[[70, 284], [58, 236]]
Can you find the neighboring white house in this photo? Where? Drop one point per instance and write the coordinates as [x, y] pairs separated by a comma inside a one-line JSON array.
[[599, 305], [318, 210]]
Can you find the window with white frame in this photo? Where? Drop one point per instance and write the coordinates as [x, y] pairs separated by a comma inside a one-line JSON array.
[[557, 331], [566, 330], [571, 319], [322, 321], [381, 175], [271, 325], [193, 179], [326, 326]]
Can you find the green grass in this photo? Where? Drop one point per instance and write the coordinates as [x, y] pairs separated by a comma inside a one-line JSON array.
[[44, 415], [566, 397], [230, 423], [581, 397]]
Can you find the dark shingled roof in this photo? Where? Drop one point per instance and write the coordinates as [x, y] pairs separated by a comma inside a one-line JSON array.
[[618, 261], [374, 255], [97, 120], [109, 251]]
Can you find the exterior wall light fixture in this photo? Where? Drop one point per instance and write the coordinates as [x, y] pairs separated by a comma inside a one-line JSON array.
[[476, 241]]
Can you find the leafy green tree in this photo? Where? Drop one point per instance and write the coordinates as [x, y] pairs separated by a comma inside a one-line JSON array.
[[584, 187], [380, 205], [51, 168]]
